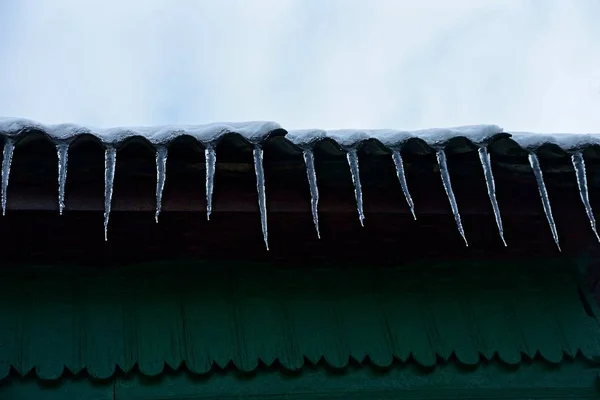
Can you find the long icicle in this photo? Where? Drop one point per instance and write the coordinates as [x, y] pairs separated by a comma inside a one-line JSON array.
[[211, 162], [486, 163], [397, 157], [7, 155], [110, 161], [443, 163], [579, 165], [309, 161], [62, 151], [539, 177], [260, 187], [161, 176], [353, 163]]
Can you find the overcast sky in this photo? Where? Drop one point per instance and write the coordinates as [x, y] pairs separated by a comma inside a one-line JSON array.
[[529, 65]]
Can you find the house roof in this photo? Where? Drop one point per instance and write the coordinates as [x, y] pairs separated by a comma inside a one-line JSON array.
[[387, 161], [213, 316]]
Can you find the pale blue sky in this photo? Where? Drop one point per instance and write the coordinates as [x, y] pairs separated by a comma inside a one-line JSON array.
[[522, 64]]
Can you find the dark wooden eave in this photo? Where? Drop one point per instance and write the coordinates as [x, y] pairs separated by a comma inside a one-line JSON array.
[[33, 232]]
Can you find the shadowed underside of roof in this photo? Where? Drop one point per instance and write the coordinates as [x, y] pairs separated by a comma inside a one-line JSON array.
[[207, 317]]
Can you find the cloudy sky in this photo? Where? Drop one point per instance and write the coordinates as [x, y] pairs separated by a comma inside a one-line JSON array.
[[523, 64]]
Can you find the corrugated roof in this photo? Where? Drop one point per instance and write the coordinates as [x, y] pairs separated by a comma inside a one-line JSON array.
[[207, 317], [486, 141]]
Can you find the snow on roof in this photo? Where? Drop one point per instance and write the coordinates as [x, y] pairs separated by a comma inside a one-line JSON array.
[[566, 141], [254, 131], [391, 138], [257, 131]]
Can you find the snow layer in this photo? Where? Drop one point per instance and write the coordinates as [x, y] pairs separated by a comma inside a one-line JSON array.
[[306, 137], [257, 131], [477, 134], [254, 131], [566, 141], [347, 138]]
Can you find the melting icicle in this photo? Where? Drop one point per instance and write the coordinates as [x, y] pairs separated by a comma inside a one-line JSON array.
[[579, 165], [353, 163], [211, 161], [161, 176], [110, 160], [260, 187], [62, 150], [402, 179], [537, 170], [486, 163], [9, 147], [441, 158], [309, 160]]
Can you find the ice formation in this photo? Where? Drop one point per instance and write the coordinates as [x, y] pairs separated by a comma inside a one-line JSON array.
[[7, 155], [539, 177], [579, 165], [442, 162], [161, 176], [260, 188], [352, 157], [62, 152], [211, 163], [486, 163], [402, 179], [311, 174], [110, 162]]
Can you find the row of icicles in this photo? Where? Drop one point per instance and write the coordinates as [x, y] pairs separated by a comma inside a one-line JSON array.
[[110, 158]]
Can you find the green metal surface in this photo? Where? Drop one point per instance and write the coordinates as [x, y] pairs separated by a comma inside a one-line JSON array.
[[537, 380], [207, 316], [487, 381]]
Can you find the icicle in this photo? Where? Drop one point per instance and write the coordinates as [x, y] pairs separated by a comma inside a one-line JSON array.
[[62, 150], [161, 176], [309, 160], [486, 163], [402, 179], [441, 158], [579, 165], [537, 170], [9, 147], [110, 160], [260, 187], [353, 163], [211, 161]]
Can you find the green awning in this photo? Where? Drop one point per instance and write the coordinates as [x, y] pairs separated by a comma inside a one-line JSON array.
[[213, 316]]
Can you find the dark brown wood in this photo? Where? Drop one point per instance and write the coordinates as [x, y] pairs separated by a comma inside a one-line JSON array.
[[238, 194], [32, 231], [77, 238]]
